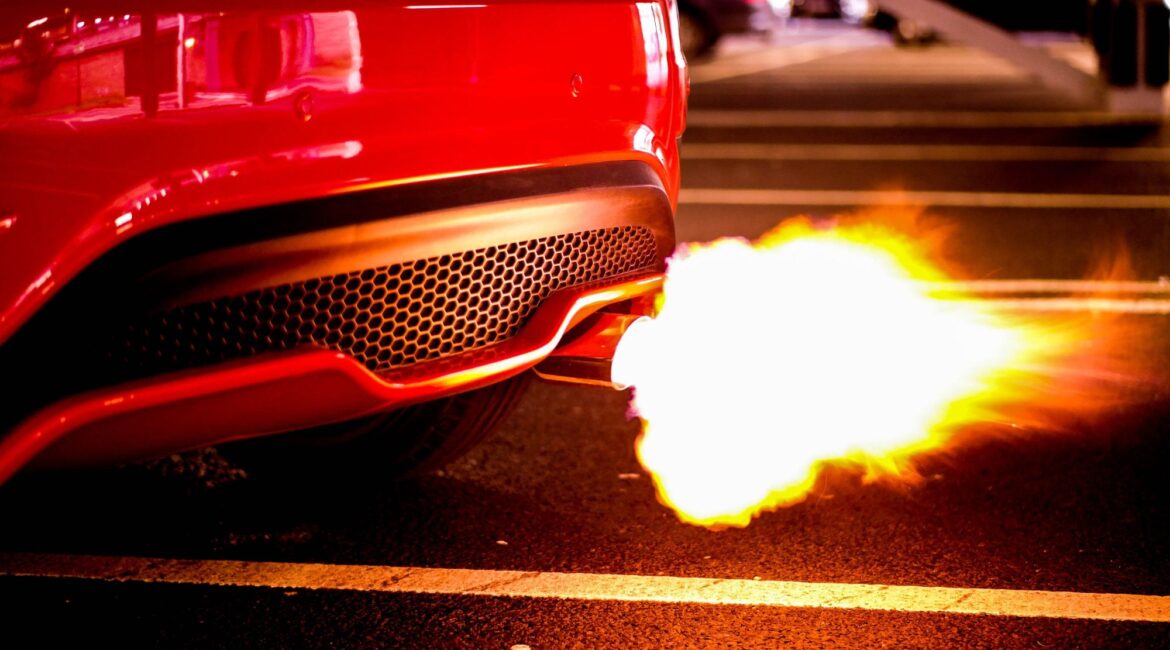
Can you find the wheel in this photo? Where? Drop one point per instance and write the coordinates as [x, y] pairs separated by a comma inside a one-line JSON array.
[[913, 33], [882, 21], [695, 35], [391, 445]]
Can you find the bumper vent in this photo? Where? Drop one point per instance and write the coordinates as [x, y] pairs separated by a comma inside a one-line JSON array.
[[395, 315]]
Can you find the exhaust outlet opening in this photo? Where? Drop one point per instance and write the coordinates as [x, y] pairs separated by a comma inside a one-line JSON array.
[[587, 360]]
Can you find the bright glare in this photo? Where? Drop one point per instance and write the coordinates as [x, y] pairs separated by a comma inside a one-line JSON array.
[[767, 361]]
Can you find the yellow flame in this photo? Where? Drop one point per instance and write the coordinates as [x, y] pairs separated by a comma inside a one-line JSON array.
[[768, 361]]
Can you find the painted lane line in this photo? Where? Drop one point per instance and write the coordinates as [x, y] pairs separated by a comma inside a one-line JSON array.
[[864, 152], [1080, 305], [910, 119], [772, 59], [586, 586], [736, 49], [1051, 286], [1044, 295], [719, 196]]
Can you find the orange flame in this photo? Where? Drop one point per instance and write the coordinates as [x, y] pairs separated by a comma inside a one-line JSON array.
[[768, 362]]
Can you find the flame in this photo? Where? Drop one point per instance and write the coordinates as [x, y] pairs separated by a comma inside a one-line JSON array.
[[769, 362]]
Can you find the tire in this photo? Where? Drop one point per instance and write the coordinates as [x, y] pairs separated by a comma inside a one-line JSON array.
[[386, 446], [696, 35], [910, 33]]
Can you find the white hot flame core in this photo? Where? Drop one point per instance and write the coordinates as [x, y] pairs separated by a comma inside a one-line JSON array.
[[766, 360]]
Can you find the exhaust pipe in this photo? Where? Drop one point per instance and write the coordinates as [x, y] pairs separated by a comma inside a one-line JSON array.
[[587, 359]]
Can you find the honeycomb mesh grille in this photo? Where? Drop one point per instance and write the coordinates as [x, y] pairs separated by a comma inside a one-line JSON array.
[[395, 315]]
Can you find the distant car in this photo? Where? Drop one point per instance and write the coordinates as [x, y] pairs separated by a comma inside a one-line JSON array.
[[703, 22], [815, 8], [1069, 16], [359, 228]]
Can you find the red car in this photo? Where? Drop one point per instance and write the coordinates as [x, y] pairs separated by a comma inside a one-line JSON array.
[[364, 225]]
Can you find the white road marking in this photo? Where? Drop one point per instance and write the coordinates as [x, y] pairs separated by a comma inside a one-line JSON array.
[[1091, 305], [590, 586], [720, 196], [753, 151], [772, 59], [1161, 286], [1094, 296], [869, 58], [911, 119]]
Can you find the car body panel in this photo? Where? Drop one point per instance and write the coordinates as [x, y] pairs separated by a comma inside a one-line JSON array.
[[440, 91]]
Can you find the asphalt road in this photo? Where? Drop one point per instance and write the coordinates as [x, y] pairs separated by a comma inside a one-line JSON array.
[[558, 489]]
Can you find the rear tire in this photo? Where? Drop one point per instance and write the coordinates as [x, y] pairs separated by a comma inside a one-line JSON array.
[[392, 445], [910, 33]]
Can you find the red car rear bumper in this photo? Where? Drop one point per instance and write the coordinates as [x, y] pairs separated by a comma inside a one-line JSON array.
[[276, 393]]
